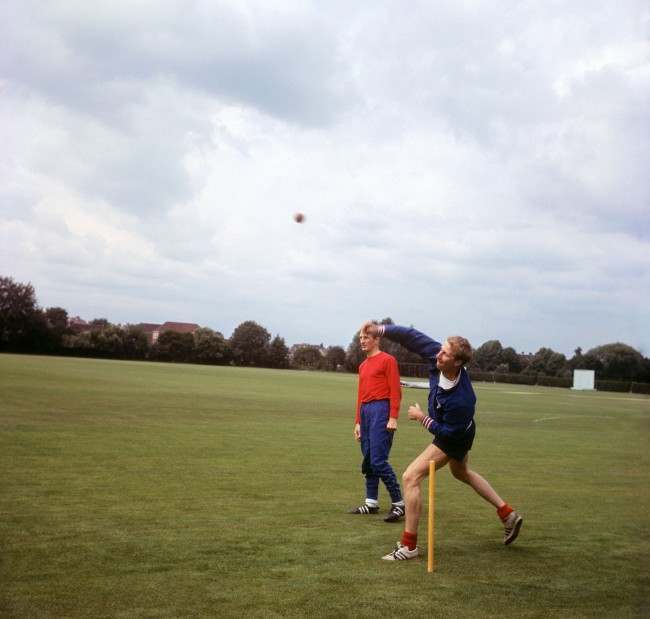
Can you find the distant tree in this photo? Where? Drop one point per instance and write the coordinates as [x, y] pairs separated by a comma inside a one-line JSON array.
[[97, 324], [548, 363], [22, 323], [577, 361], [488, 355], [590, 362], [334, 358], [210, 347], [615, 361], [173, 346], [307, 357], [644, 375], [354, 355], [78, 343], [56, 320], [111, 341], [39, 338], [135, 343], [511, 360], [278, 353], [249, 344], [108, 342], [557, 365]]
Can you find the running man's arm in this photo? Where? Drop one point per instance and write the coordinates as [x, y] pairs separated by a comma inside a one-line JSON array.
[[412, 339]]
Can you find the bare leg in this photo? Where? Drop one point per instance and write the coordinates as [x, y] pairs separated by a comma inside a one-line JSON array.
[[481, 486], [412, 478]]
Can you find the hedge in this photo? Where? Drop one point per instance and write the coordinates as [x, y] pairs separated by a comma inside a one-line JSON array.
[[555, 381], [422, 370], [640, 388]]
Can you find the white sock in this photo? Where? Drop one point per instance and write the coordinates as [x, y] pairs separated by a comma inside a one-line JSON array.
[[372, 502]]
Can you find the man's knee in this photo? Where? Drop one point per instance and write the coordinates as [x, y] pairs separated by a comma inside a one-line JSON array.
[[461, 473], [410, 477], [378, 463]]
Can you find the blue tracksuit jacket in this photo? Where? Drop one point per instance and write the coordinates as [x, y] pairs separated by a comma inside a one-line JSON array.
[[452, 411]]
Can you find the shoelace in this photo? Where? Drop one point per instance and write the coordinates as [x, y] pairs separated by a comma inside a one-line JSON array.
[[511, 527]]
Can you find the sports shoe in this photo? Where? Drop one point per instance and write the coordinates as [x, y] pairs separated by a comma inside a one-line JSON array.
[[401, 553], [511, 526], [396, 513], [364, 509]]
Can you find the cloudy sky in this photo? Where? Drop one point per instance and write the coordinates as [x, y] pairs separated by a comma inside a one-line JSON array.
[[464, 166]]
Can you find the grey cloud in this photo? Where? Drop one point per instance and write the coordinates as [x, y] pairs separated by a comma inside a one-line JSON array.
[[113, 77], [268, 65], [140, 170], [493, 67]]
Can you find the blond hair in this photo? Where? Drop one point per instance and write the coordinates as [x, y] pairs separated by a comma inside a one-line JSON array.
[[461, 349]]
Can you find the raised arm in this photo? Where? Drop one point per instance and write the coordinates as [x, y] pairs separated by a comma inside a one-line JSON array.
[[410, 338]]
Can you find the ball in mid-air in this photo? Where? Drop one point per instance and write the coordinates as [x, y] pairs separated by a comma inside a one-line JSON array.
[[299, 218]]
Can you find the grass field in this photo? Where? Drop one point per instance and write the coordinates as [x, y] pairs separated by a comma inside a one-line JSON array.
[[153, 490]]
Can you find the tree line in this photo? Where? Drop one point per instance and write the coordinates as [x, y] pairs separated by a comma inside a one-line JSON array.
[[25, 327], [615, 361]]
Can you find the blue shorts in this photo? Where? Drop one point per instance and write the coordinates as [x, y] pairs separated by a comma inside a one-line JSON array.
[[456, 448]]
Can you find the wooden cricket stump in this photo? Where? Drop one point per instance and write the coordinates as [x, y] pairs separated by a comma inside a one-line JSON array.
[[432, 509]]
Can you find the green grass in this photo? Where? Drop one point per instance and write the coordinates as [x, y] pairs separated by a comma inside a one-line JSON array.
[[153, 490]]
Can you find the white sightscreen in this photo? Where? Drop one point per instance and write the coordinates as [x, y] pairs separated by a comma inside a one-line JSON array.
[[583, 379]]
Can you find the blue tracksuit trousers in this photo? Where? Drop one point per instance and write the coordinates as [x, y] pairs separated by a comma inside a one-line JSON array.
[[376, 442]]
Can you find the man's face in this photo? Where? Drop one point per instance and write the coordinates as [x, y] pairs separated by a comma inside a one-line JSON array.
[[367, 342], [445, 360]]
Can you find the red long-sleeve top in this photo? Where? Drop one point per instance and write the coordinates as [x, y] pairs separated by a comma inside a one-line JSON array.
[[379, 380]]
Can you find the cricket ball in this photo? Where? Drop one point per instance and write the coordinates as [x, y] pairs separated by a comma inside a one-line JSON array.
[[299, 218]]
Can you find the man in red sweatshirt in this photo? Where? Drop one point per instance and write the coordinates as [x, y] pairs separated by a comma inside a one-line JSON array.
[[378, 404]]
